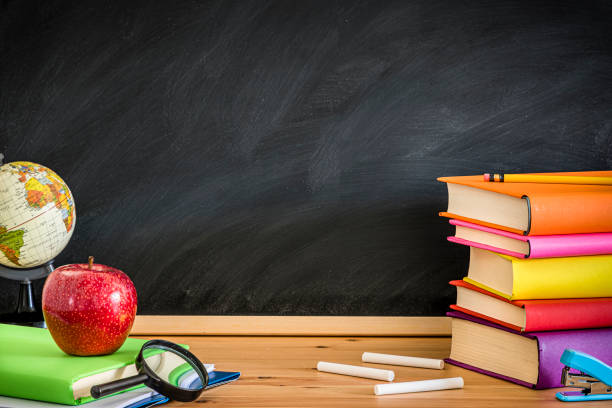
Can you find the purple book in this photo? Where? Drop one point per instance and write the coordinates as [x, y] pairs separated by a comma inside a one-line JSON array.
[[597, 342]]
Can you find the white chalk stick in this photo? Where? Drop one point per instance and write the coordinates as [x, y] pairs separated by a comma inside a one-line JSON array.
[[356, 371], [419, 386], [402, 360]]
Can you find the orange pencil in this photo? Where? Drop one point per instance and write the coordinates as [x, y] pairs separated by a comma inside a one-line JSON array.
[[544, 179]]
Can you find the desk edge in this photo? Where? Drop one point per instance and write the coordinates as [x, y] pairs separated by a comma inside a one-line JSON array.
[[292, 325]]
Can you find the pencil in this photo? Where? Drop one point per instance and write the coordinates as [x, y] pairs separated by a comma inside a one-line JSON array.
[[544, 179]]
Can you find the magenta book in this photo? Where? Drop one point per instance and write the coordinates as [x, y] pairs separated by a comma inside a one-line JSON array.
[[542, 246], [551, 345]]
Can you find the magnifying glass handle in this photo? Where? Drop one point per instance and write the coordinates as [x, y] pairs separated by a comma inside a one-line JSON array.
[[102, 390]]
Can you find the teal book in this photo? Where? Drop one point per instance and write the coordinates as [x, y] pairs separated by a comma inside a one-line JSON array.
[[33, 367]]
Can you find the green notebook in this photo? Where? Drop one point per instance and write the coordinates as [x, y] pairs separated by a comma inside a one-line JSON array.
[[33, 367]]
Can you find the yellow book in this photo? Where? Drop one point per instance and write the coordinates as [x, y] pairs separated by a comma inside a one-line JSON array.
[[546, 278]]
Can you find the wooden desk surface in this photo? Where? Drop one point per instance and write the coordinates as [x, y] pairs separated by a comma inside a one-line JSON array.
[[279, 372]]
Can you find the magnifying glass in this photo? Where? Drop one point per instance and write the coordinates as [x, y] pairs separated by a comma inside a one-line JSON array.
[[165, 367]]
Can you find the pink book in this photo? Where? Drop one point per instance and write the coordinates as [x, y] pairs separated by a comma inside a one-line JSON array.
[[521, 246]]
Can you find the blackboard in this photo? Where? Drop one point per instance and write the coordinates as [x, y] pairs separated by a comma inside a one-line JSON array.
[[261, 157]]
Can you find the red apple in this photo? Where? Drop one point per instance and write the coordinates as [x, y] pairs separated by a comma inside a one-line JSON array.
[[89, 308]]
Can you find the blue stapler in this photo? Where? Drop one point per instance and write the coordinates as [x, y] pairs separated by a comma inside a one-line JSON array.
[[595, 377]]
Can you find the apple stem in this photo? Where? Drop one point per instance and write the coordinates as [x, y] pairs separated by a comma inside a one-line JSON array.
[[90, 261]]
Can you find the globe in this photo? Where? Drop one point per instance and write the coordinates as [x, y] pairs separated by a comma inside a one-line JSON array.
[[37, 215]]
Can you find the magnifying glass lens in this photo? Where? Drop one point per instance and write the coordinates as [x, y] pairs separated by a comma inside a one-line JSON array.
[[173, 369], [165, 367]]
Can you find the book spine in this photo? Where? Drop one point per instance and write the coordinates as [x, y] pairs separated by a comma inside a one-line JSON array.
[[36, 387], [595, 342], [562, 278], [549, 246], [571, 213], [568, 316]]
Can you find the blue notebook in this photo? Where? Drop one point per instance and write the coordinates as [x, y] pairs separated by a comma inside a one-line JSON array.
[[217, 378]]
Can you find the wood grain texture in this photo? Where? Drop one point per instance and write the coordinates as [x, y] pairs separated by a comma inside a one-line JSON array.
[[280, 372], [275, 157], [292, 325]]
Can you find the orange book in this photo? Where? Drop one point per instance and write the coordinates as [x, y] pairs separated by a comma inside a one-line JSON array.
[[532, 208]]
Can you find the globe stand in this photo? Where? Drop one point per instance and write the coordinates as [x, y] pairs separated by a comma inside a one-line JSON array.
[[25, 314]]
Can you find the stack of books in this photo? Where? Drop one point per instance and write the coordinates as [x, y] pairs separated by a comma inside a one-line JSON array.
[[539, 278]]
